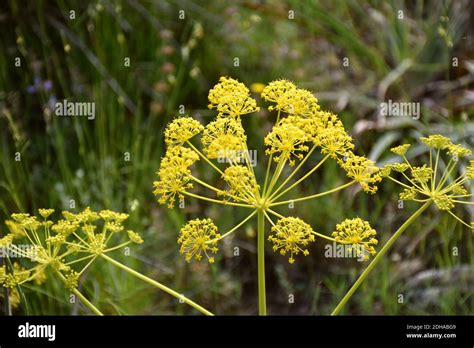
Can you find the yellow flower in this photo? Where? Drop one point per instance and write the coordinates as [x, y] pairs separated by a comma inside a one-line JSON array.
[[57, 245], [443, 202], [224, 137], [85, 216], [174, 174], [291, 236], [20, 217], [15, 229], [275, 91], [14, 297], [65, 227], [198, 237], [135, 237], [358, 234], [257, 87], [113, 226], [6, 241], [286, 140], [45, 212], [457, 150], [422, 174], [325, 130], [436, 141], [399, 167], [26, 221], [181, 130], [401, 149], [298, 102], [362, 170], [470, 170], [231, 98], [15, 278], [3, 274], [334, 141], [72, 279], [408, 194], [56, 240], [428, 185], [242, 183], [109, 215]]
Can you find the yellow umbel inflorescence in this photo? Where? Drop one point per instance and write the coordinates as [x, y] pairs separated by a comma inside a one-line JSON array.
[[429, 182], [199, 237], [224, 136], [276, 92], [242, 184], [60, 246], [361, 170], [357, 235], [174, 174], [291, 236], [182, 129], [301, 130], [231, 98], [286, 141]]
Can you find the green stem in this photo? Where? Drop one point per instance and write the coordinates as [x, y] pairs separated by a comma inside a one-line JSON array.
[[294, 171], [275, 177], [156, 284], [433, 182], [314, 196], [83, 299], [204, 157], [272, 196], [379, 256], [233, 229], [216, 200], [320, 235], [269, 164], [262, 302]]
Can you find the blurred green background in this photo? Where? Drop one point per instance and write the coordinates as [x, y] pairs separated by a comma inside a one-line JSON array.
[[413, 51]]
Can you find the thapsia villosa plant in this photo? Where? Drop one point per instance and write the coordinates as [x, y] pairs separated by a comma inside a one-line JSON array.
[[67, 247], [301, 130]]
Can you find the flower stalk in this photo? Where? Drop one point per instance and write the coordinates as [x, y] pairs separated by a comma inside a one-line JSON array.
[[262, 301], [379, 257], [156, 284]]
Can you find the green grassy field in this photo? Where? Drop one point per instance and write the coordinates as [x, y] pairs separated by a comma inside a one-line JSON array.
[[110, 162]]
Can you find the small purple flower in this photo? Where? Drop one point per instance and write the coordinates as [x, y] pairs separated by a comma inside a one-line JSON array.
[[31, 89], [47, 85]]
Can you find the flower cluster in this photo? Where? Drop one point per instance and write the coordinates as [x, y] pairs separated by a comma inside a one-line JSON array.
[[358, 235], [181, 130], [175, 175], [428, 183], [301, 128], [198, 237], [291, 236], [361, 170], [231, 98], [304, 124], [59, 247]]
